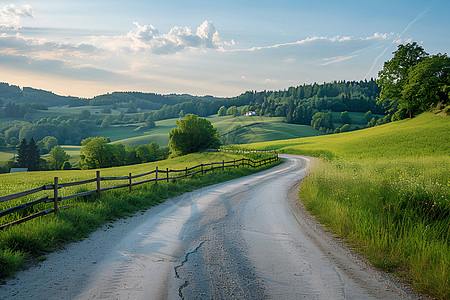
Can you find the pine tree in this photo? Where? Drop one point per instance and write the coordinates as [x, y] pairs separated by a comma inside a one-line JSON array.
[[28, 155], [22, 156]]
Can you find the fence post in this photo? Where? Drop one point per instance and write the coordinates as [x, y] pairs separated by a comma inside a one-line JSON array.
[[98, 183], [55, 195], [202, 169], [234, 163], [185, 175], [223, 165], [167, 169], [129, 182], [156, 176]]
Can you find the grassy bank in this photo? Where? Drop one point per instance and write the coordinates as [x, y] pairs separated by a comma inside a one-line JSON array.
[[29, 241], [386, 191]]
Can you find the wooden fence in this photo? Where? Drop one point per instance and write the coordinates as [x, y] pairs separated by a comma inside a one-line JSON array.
[[159, 175]]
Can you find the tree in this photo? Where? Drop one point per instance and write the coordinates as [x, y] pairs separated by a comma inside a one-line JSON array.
[[149, 122], [222, 111], [50, 142], [3, 143], [193, 134], [394, 75], [84, 114], [95, 153], [322, 121], [148, 152], [106, 122], [66, 166], [427, 83], [345, 118], [368, 116], [232, 111], [57, 158], [28, 155]]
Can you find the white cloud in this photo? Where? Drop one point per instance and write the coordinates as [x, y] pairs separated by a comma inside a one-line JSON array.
[[10, 15], [43, 49], [148, 38]]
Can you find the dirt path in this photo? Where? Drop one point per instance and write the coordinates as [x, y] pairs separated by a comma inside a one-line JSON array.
[[249, 238]]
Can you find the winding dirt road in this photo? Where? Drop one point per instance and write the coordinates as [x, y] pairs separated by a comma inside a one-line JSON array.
[[244, 239]]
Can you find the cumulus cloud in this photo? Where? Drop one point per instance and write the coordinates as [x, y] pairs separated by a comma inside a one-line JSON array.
[[148, 38], [10, 15]]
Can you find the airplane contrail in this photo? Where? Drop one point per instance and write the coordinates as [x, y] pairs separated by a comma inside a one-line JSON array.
[[375, 62]]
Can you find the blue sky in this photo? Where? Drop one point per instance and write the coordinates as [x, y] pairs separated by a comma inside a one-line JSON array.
[[221, 48]]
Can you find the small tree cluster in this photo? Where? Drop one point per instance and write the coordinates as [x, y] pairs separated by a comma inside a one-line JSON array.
[[323, 121], [100, 153]]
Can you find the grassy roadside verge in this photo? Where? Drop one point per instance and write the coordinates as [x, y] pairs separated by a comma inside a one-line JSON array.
[[396, 213], [386, 191], [30, 241]]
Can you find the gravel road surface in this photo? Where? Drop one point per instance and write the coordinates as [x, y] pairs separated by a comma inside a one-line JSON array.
[[248, 238]]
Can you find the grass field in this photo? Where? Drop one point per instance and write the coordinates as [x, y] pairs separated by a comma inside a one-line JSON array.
[[386, 190], [7, 154]]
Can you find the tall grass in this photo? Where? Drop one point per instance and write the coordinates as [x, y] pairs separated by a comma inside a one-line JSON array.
[[22, 243], [386, 190], [398, 215]]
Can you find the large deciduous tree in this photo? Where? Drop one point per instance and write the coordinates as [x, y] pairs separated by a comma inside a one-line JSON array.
[[427, 84], [193, 134], [57, 158], [413, 81]]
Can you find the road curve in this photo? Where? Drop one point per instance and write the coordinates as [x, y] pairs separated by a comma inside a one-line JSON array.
[[248, 238]]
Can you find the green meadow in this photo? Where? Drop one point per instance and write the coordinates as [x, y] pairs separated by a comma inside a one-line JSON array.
[[386, 191]]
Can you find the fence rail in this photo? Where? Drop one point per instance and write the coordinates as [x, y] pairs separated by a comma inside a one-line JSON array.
[[182, 173]]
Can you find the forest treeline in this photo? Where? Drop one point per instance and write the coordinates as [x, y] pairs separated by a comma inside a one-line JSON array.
[[297, 104]]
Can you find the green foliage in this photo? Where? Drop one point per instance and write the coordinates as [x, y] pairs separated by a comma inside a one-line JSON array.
[[28, 155], [84, 115], [222, 111], [393, 76], [413, 80], [427, 84], [345, 117], [149, 152], [100, 153], [368, 116], [149, 122], [345, 128], [57, 158], [66, 166], [96, 153], [322, 121], [193, 134], [3, 143]]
